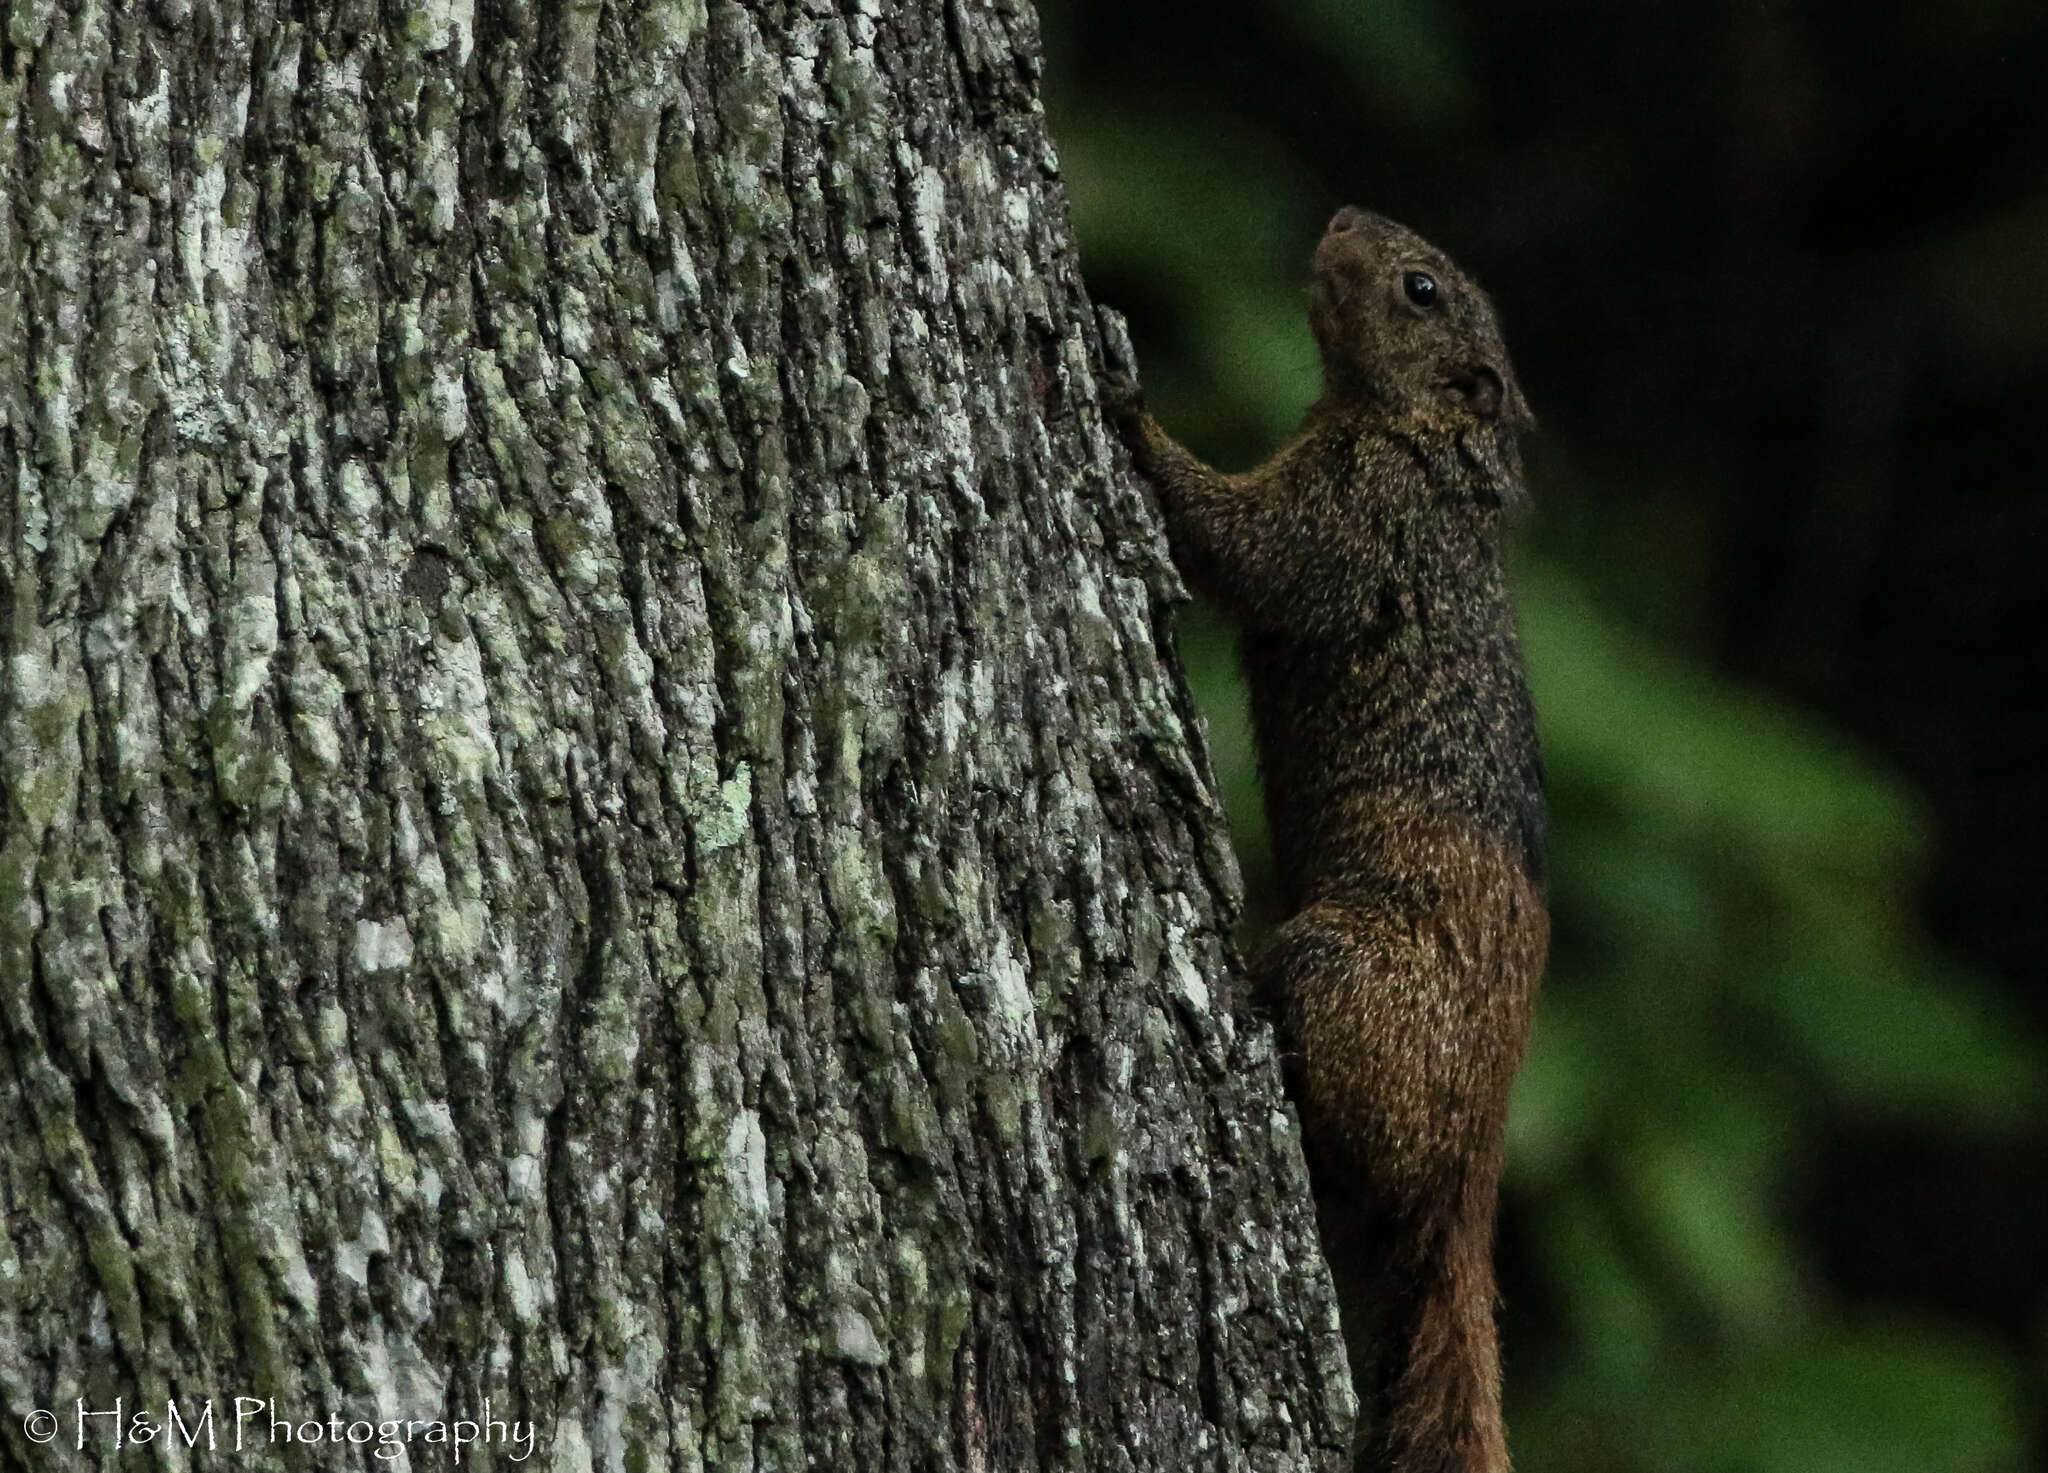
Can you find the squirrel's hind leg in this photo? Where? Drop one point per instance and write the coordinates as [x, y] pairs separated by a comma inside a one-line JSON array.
[[1404, 1156]]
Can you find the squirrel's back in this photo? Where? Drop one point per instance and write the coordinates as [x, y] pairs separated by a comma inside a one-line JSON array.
[[1422, 708]]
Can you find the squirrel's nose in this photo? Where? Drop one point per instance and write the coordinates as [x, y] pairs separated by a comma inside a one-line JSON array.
[[1349, 218]]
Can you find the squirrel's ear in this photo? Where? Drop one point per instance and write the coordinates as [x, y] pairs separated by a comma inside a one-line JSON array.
[[1481, 389], [1493, 395]]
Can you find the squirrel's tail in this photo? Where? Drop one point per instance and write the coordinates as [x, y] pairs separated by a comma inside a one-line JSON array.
[[1441, 1412]]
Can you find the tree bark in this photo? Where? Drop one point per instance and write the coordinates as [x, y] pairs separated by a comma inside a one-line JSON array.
[[594, 812]]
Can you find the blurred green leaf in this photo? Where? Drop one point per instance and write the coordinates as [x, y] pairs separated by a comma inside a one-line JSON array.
[[1401, 52], [1739, 781], [1892, 1399], [1697, 1188], [1563, 1089], [1895, 1039]]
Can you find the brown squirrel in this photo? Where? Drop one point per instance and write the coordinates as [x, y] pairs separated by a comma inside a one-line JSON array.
[[1404, 790]]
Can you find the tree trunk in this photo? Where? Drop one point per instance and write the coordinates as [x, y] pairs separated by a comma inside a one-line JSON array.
[[594, 817]]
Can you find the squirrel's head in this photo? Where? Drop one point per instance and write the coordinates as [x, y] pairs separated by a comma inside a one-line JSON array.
[[1404, 331]]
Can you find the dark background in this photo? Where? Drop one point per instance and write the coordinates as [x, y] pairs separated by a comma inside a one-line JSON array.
[[1776, 280]]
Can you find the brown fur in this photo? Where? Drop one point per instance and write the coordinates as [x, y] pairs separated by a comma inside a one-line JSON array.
[[1404, 790]]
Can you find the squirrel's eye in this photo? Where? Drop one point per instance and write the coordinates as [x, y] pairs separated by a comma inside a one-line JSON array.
[[1421, 288]]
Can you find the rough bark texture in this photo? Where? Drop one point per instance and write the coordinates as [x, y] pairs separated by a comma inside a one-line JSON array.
[[590, 809]]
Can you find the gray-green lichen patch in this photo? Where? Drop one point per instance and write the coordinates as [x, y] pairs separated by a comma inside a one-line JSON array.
[[854, 1339], [722, 821], [383, 946]]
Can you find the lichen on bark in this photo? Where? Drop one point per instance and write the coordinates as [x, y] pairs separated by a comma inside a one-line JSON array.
[[595, 810]]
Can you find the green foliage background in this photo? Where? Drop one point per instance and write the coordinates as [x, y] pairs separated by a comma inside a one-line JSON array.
[[1777, 279]]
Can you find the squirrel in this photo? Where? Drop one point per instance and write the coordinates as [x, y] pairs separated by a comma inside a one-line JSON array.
[[1404, 791]]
